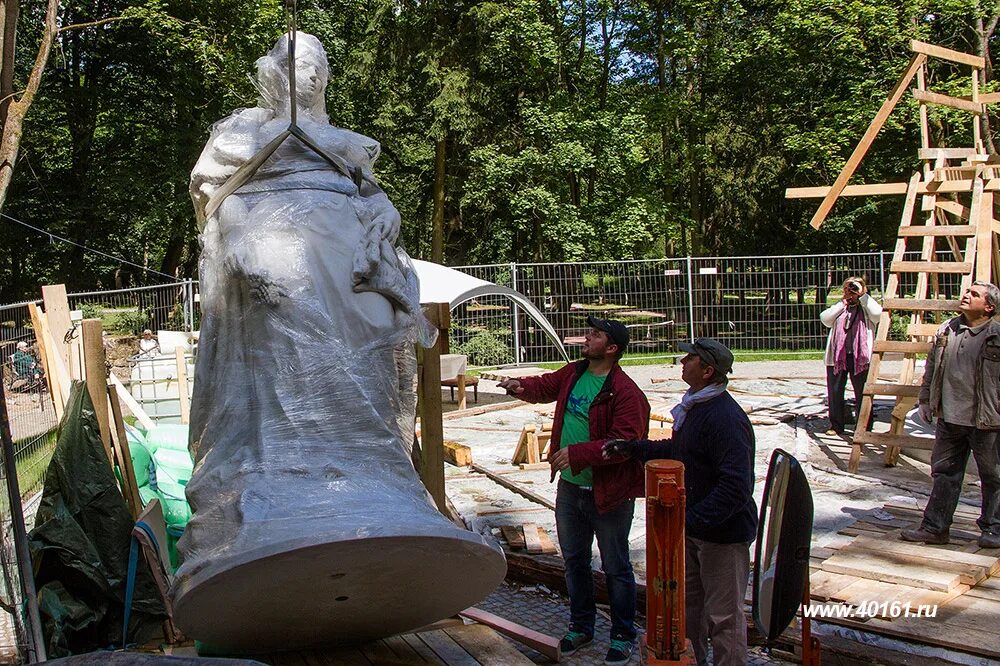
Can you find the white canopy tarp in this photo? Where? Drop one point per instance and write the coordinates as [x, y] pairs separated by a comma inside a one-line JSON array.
[[440, 284]]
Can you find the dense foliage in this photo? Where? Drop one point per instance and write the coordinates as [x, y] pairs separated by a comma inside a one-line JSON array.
[[550, 130]]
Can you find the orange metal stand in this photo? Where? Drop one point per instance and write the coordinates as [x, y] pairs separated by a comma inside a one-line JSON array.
[[665, 502]]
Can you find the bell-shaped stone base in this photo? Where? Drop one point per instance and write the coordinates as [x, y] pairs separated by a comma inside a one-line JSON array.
[[336, 593]]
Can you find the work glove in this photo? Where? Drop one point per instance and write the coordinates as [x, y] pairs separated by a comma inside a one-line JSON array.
[[619, 447]]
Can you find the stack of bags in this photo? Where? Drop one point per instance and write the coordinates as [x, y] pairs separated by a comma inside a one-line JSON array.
[[163, 467]]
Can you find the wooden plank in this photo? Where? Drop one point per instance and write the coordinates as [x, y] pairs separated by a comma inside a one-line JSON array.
[[513, 535], [982, 214], [921, 304], [57, 313], [824, 585], [928, 97], [990, 563], [547, 546], [866, 141], [951, 153], [377, 652], [546, 645], [486, 646], [403, 650], [45, 353], [882, 346], [457, 454], [949, 230], [97, 380], [889, 439], [930, 266], [445, 647], [874, 189], [531, 541], [889, 570], [129, 483], [936, 51], [892, 389], [180, 361], [514, 487]]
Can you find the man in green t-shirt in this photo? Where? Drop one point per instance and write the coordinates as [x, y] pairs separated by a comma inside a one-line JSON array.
[[595, 401]]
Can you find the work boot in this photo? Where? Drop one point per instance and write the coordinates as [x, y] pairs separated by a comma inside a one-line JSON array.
[[619, 653], [989, 540], [919, 534], [573, 641]]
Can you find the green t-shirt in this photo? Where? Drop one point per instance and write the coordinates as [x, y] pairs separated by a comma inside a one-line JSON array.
[[576, 422]]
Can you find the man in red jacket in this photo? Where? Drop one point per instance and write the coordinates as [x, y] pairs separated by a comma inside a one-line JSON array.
[[595, 401]]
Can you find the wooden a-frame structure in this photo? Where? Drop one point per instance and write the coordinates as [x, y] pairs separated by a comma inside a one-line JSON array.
[[949, 207]]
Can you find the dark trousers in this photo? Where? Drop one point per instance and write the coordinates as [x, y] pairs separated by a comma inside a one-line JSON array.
[[836, 383], [952, 445], [578, 522]]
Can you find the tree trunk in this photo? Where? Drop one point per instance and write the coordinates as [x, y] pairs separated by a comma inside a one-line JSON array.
[[437, 217], [984, 32], [9, 35], [14, 124]]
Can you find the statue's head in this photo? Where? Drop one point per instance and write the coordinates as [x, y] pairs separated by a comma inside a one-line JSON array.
[[311, 76]]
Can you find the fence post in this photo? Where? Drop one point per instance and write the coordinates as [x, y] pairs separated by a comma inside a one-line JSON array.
[[517, 319], [881, 270], [690, 302]]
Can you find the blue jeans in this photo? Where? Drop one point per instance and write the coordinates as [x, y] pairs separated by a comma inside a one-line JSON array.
[[952, 446], [578, 522]]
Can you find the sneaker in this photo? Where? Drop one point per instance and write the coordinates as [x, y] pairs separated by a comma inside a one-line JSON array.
[[620, 652], [919, 534], [989, 540], [573, 641], [834, 433]]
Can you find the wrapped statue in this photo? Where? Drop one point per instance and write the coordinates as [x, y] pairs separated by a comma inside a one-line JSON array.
[[310, 523]]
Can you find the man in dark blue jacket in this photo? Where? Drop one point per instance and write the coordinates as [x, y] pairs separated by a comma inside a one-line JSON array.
[[712, 436]]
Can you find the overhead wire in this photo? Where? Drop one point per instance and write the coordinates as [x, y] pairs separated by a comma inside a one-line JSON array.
[[55, 237]]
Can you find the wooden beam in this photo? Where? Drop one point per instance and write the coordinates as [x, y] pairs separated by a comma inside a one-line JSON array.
[[180, 361], [941, 230], [930, 267], [866, 141], [875, 189], [928, 97], [431, 424], [97, 380], [893, 389], [457, 454], [987, 98], [922, 330], [982, 215], [920, 304], [952, 153], [546, 645], [514, 487], [883, 346], [130, 487], [936, 51]]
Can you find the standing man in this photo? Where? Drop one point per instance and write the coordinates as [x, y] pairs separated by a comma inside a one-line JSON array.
[[960, 389], [595, 401], [712, 436]]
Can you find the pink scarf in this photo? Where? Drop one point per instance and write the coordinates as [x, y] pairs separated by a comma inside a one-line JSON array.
[[862, 347]]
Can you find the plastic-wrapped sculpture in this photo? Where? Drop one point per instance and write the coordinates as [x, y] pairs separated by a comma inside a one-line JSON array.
[[310, 523]]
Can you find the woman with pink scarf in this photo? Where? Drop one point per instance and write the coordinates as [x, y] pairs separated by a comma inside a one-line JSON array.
[[852, 323]]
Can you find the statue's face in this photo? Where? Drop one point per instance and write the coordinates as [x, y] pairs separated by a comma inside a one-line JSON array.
[[310, 79]]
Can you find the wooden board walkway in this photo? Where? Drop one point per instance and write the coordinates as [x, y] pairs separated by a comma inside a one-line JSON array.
[[446, 643], [870, 564]]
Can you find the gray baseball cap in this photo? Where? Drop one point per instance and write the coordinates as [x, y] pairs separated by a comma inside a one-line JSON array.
[[712, 352]]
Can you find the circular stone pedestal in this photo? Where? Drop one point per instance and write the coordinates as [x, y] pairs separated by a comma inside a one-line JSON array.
[[336, 593]]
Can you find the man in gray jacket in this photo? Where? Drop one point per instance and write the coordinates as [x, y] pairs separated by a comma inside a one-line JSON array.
[[961, 388]]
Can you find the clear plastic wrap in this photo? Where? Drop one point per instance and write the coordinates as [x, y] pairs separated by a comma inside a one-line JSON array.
[[310, 522]]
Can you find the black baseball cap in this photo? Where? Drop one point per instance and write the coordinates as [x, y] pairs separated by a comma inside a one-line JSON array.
[[614, 328], [712, 352]]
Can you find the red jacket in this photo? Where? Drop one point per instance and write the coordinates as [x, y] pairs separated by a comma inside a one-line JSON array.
[[619, 411]]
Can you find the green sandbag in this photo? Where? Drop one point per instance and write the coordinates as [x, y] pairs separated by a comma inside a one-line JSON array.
[[175, 507], [147, 494], [173, 466], [140, 456], [169, 436]]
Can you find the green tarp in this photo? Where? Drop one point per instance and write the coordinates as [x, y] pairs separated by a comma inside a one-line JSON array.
[[80, 545]]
